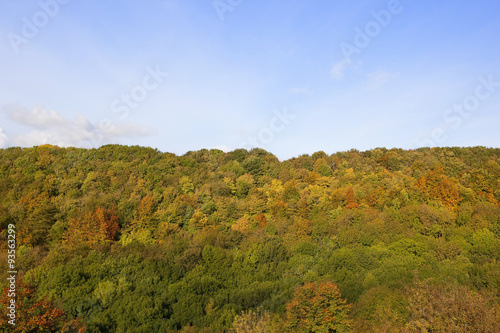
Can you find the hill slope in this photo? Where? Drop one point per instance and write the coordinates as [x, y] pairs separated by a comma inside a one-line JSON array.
[[130, 239]]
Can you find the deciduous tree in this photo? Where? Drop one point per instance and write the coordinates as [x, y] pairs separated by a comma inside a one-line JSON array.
[[318, 307]]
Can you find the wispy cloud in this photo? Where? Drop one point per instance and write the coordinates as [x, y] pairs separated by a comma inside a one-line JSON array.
[[53, 128], [301, 91], [339, 68], [379, 78]]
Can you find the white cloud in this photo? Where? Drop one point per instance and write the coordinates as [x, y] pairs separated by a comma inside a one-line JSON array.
[[37, 118], [50, 127], [378, 78], [339, 68], [3, 138]]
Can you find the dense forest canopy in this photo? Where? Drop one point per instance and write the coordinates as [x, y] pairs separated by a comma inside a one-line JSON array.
[[130, 239]]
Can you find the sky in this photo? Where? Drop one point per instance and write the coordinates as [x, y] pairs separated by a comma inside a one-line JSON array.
[[292, 77]]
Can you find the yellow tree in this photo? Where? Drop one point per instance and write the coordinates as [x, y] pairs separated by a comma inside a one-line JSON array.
[[145, 212]]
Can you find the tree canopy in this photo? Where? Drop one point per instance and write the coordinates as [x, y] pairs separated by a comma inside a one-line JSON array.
[[131, 239]]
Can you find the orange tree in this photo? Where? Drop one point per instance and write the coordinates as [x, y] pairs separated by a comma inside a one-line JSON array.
[[93, 228], [317, 307]]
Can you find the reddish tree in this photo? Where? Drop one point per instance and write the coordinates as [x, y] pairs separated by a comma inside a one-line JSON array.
[[261, 220], [349, 197]]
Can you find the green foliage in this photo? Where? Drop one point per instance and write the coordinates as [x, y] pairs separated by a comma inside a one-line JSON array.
[[130, 239]]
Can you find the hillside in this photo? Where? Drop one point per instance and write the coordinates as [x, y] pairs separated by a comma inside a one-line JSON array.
[[130, 239]]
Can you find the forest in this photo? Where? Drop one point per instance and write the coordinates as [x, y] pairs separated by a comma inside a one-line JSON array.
[[131, 239]]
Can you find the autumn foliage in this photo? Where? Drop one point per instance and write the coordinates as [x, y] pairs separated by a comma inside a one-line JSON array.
[[442, 309], [350, 201], [129, 238], [436, 185], [318, 307], [93, 228]]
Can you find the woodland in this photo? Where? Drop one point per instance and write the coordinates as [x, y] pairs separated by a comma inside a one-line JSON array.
[[131, 239]]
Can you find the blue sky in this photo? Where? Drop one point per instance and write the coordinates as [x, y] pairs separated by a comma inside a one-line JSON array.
[[291, 77]]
